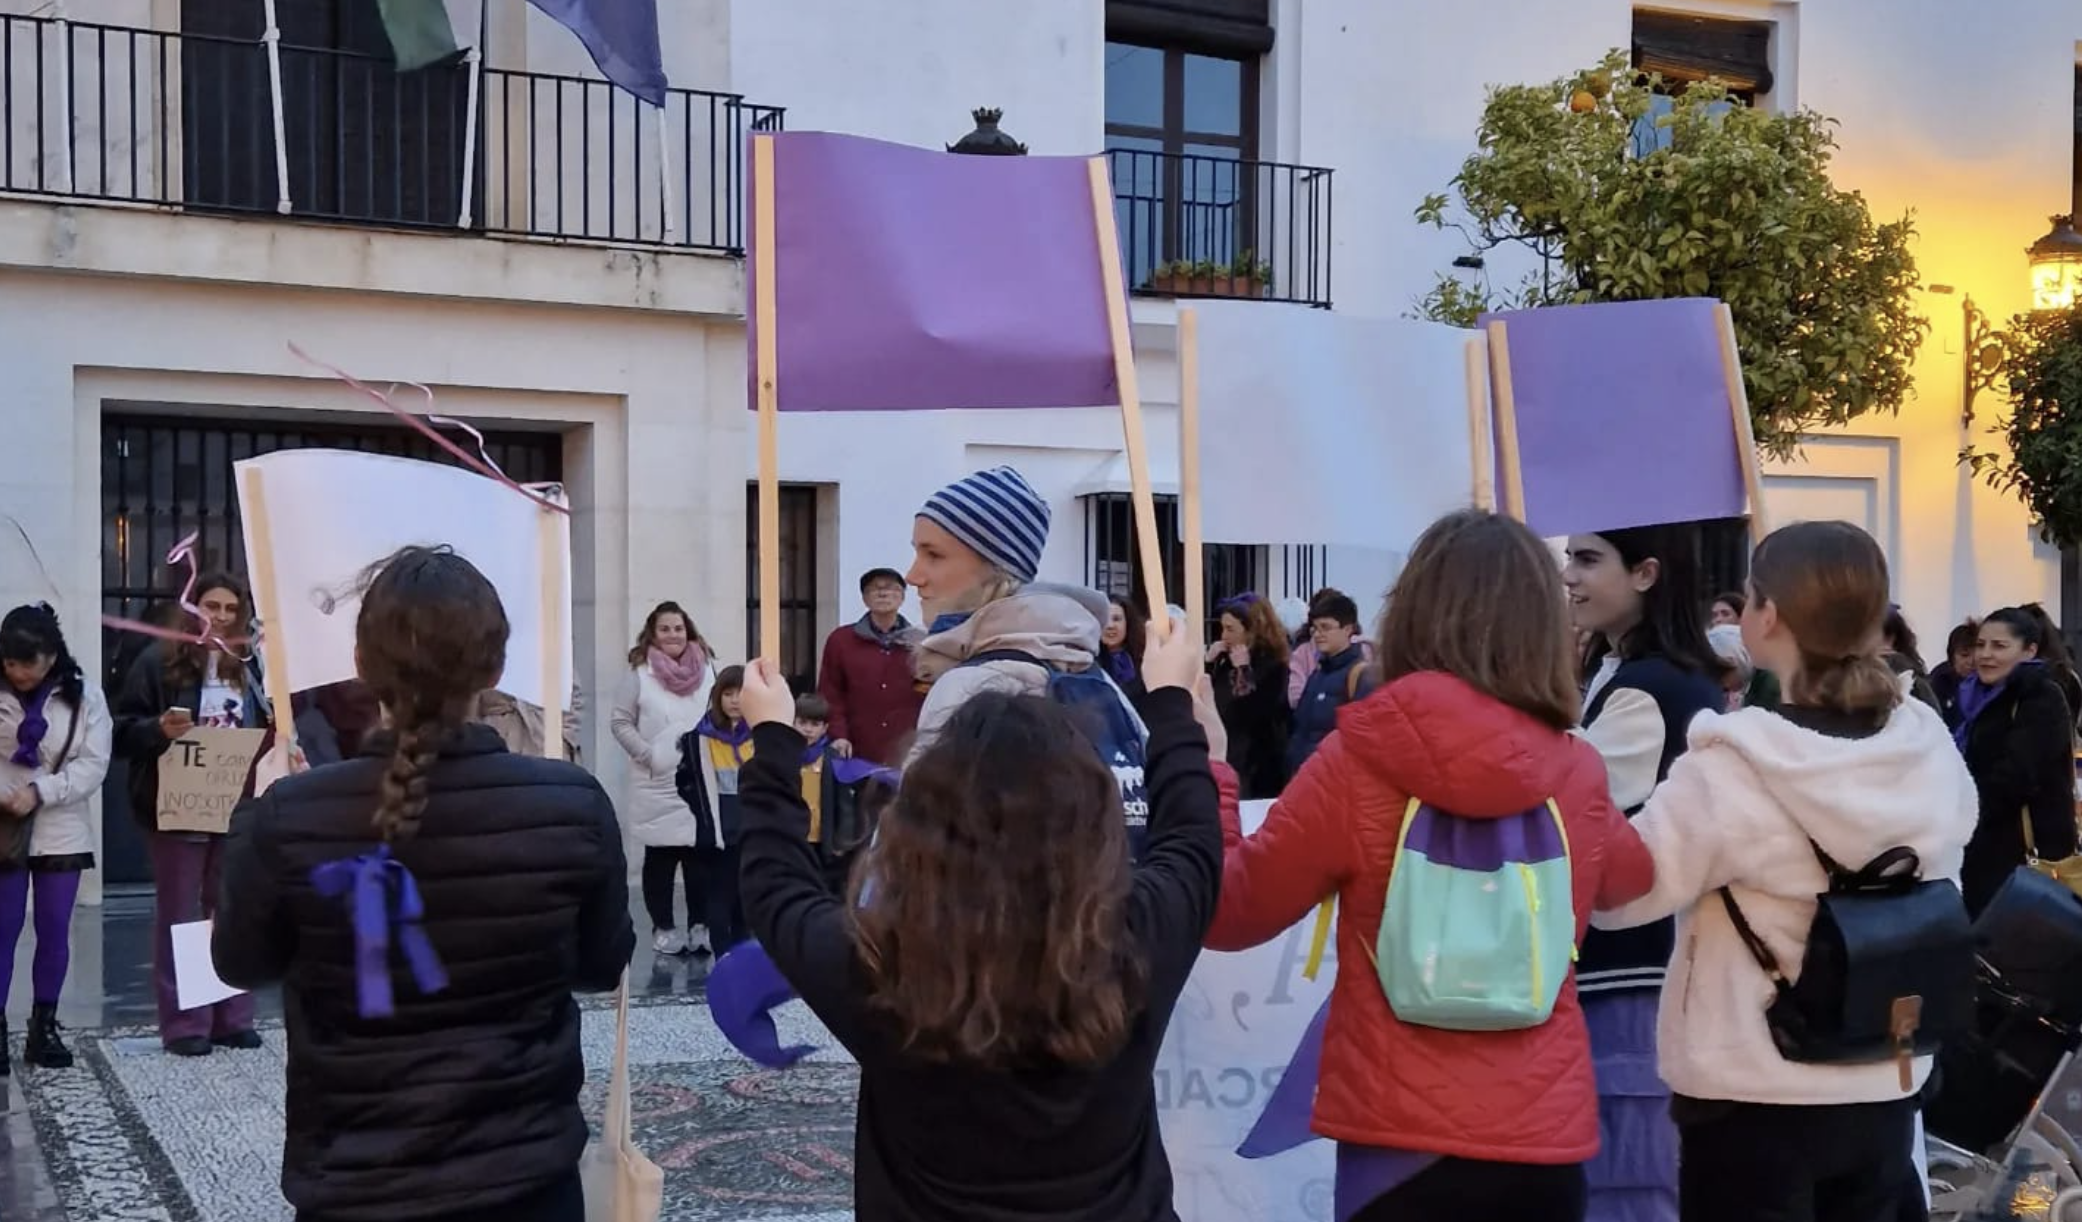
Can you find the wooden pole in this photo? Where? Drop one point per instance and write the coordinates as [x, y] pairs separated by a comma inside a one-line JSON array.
[[1189, 468], [1745, 436], [1131, 401], [260, 570], [556, 584], [1506, 409], [1481, 431], [768, 362]]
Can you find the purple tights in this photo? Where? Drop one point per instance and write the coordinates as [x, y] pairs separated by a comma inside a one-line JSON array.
[[55, 892]]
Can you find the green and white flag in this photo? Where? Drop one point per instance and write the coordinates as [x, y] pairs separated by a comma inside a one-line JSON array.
[[419, 31]]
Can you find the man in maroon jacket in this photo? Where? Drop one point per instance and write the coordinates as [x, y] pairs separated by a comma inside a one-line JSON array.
[[866, 675]]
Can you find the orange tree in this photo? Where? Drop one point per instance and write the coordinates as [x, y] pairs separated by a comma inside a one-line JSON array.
[[1710, 199]]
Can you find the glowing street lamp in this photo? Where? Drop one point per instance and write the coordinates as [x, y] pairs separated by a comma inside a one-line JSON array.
[[2056, 267]]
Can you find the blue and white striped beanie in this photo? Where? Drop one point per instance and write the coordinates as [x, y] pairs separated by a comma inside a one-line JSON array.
[[998, 515]]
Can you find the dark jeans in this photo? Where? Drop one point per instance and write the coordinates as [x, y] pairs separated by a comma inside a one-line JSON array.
[[660, 864], [1756, 1162], [716, 870], [563, 1200], [1468, 1190]]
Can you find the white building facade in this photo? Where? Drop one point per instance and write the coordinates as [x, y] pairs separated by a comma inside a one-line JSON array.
[[562, 266]]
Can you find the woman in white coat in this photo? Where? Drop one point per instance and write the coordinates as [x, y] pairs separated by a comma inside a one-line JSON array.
[[1845, 766], [54, 751], [667, 691]]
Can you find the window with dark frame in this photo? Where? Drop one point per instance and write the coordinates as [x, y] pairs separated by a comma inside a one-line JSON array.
[[1113, 557], [800, 638], [1182, 103], [364, 141], [2075, 201], [1685, 49]]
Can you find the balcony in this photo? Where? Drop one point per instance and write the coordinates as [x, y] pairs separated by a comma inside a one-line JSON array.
[[122, 116], [1199, 226]]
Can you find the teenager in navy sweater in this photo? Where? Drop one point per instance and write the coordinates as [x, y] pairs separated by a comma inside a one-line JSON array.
[[1650, 671]]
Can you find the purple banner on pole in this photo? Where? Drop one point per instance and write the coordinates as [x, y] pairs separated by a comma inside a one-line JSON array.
[[1623, 416], [911, 279]]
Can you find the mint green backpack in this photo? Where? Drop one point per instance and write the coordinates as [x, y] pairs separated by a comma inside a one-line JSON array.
[[1479, 930]]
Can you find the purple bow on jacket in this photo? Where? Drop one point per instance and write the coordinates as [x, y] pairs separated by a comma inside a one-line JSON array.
[[383, 898]]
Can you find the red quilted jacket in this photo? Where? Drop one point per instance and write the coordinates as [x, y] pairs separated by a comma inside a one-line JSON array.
[[1508, 1096]]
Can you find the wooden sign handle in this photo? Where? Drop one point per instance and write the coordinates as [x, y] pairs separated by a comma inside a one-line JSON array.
[[555, 582], [1745, 435], [1189, 493], [1506, 408], [767, 371], [1481, 431], [1137, 442], [260, 571]]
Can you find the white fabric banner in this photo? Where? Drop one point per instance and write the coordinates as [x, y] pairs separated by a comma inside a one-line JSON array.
[[1239, 1020], [333, 513], [1319, 427]]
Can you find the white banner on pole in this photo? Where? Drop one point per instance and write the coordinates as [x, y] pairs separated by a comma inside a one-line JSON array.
[[1318, 427], [334, 513], [1239, 1020]]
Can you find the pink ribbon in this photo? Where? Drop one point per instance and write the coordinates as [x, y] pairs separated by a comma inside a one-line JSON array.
[[183, 553], [479, 462]]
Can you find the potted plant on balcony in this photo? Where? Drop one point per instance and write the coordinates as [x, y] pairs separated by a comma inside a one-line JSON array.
[[1244, 276]]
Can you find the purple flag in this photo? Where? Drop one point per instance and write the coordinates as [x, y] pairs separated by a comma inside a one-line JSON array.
[[910, 279], [1623, 416], [622, 36]]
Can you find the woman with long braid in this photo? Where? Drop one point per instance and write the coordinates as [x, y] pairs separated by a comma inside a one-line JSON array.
[[444, 1083]]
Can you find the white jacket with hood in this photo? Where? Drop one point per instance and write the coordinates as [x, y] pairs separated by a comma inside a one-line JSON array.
[[1738, 810], [1057, 624]]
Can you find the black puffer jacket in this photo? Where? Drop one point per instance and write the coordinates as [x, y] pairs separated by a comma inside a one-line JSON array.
[[467, 1099]]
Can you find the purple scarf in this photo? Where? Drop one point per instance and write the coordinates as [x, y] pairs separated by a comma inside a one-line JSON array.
[[1974, 697], [1119, 665], [734, 736], [28, 737]]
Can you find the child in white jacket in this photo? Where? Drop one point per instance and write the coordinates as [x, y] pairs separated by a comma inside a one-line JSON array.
[[1852, 766]]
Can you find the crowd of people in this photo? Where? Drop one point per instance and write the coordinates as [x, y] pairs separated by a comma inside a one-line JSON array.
[[988, 849]]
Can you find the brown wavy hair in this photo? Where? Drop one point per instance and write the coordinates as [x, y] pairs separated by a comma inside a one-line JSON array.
[[995, 923], [184, 661], [1481, 599], [1262, 629], [1828, 583], [646, 638], [430, 636]]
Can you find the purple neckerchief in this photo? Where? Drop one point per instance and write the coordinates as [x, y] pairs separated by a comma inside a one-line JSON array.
[[1364, 1173], [744, 988], [1119, 665], [28, 737], [1975, 697], [853, 770], [384, 899], [739, 733]]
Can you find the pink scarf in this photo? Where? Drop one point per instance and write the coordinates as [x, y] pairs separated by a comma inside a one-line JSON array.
[[681, 676]]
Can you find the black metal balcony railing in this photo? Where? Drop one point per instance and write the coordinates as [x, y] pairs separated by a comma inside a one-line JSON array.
[[1198, 226], [121, 115]]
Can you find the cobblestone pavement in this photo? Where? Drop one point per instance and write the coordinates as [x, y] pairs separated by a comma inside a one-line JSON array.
[[134, 1135]]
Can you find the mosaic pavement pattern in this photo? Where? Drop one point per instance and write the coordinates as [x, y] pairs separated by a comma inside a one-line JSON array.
[[135, 1135]]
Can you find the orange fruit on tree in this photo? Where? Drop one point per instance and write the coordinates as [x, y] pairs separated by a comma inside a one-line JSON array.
[[1582, 102]]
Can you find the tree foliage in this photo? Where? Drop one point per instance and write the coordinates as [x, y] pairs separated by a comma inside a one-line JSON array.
[[2042, 367], [1736, 203]]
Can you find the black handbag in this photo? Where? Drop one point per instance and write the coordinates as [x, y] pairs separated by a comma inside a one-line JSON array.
[[1888, 974]]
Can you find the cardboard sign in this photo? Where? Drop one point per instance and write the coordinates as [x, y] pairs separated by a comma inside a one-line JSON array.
[[202, 776]]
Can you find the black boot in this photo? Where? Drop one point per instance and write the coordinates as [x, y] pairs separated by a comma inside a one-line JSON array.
[[44, 1049]]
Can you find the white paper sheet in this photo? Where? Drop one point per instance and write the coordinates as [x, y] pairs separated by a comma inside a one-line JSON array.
[[1319, 427], [332, 513], [1238, 1021], [195, 973]]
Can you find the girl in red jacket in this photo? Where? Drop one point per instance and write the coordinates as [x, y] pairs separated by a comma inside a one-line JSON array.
[[1472, 718]]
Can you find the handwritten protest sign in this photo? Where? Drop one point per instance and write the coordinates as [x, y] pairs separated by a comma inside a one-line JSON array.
[[201, 777]]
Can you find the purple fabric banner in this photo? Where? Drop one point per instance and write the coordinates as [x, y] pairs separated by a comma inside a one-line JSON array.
[[911, 279], [1623, 416], [621, 36]]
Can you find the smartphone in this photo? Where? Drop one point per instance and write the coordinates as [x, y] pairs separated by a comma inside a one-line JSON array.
[[183, 710]]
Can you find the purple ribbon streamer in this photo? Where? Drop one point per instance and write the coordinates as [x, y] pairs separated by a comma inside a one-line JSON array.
[[29, 735], [744, 988], [384, 898]]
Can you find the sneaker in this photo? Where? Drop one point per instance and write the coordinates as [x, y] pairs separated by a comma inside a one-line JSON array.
[[189, 1046], [697, 940], [245, 1041], [668, 942]]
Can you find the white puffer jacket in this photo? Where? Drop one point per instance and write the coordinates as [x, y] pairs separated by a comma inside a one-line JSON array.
[[647, 722], [1738, 810], [63, 827], [1056, 624]]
